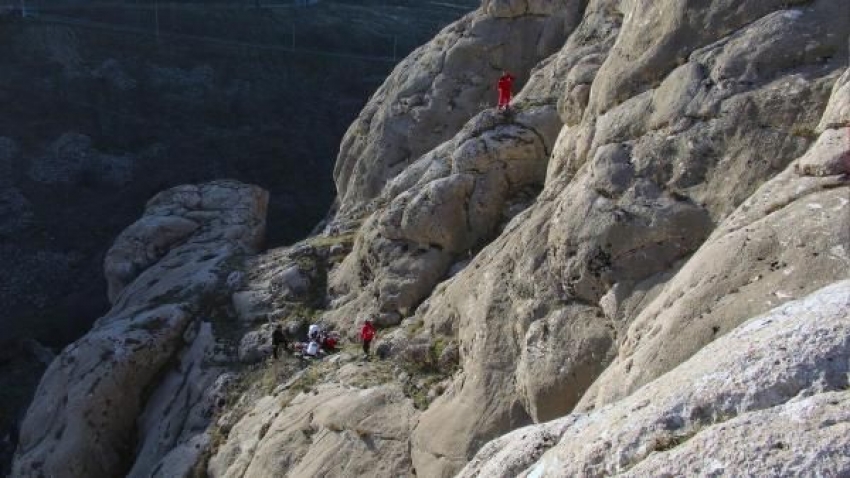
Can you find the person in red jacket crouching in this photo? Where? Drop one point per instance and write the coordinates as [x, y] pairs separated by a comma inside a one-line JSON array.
[[367, 333]]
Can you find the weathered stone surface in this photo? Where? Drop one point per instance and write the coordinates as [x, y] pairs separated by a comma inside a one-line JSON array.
[[829, 156], [767, 398], [252, 305], [280, 282], [293, 281], [658, 35], [409, 245], [689, 145], [82, 418], [222, 211], [831, 153], [802, 437], [84, 415], [837, 114], [518, 363], [145, 242], [433, 92], [789, 238], [511, 454], [334, 430], [256, 345], [177, 413]]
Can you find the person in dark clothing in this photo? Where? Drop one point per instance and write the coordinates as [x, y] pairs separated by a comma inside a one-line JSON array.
[[278, 340], [505, 87], [367, 333]]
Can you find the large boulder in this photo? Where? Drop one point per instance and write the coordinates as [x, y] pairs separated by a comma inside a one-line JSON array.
[[84, 419], [256, 345], [224, 211]]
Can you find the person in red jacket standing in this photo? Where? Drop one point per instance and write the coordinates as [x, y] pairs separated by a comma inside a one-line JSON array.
[[367, 333], [505, 87]]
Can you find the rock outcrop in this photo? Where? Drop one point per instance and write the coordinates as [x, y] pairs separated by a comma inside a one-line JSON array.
[[143, 366], [433, 92], [768, 398], [346, 425], [642, 262], [182, 217], [682, 192], [653, 154], [789, 237]]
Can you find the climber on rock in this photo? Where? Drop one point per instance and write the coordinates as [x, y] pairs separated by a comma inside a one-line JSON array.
[[505, 87], [278, 340], [367, 333], [312, 350], [313, 332]]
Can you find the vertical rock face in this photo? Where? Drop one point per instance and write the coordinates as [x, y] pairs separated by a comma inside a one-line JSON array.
[[442, 207], [770, 397], [83, 420], [433, 92], [659, 227], [793, 234]]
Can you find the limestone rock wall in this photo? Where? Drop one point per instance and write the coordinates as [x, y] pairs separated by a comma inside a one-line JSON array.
[[338, 428], [645, 243], [83, 420], [434, 91], [571, 275], [186, 216], [459, 196], [770, 397]]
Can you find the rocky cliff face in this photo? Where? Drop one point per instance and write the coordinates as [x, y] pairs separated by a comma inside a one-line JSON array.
[[640, 265], [770, 398], [634, 252], [142, 374], [433, 92]]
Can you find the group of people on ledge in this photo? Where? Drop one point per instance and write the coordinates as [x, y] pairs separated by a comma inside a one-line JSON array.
[[319, 341]]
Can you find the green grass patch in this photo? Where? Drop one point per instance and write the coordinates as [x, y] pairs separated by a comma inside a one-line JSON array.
[[321, 242], [309, 379], [376, 374], [804, 132]]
